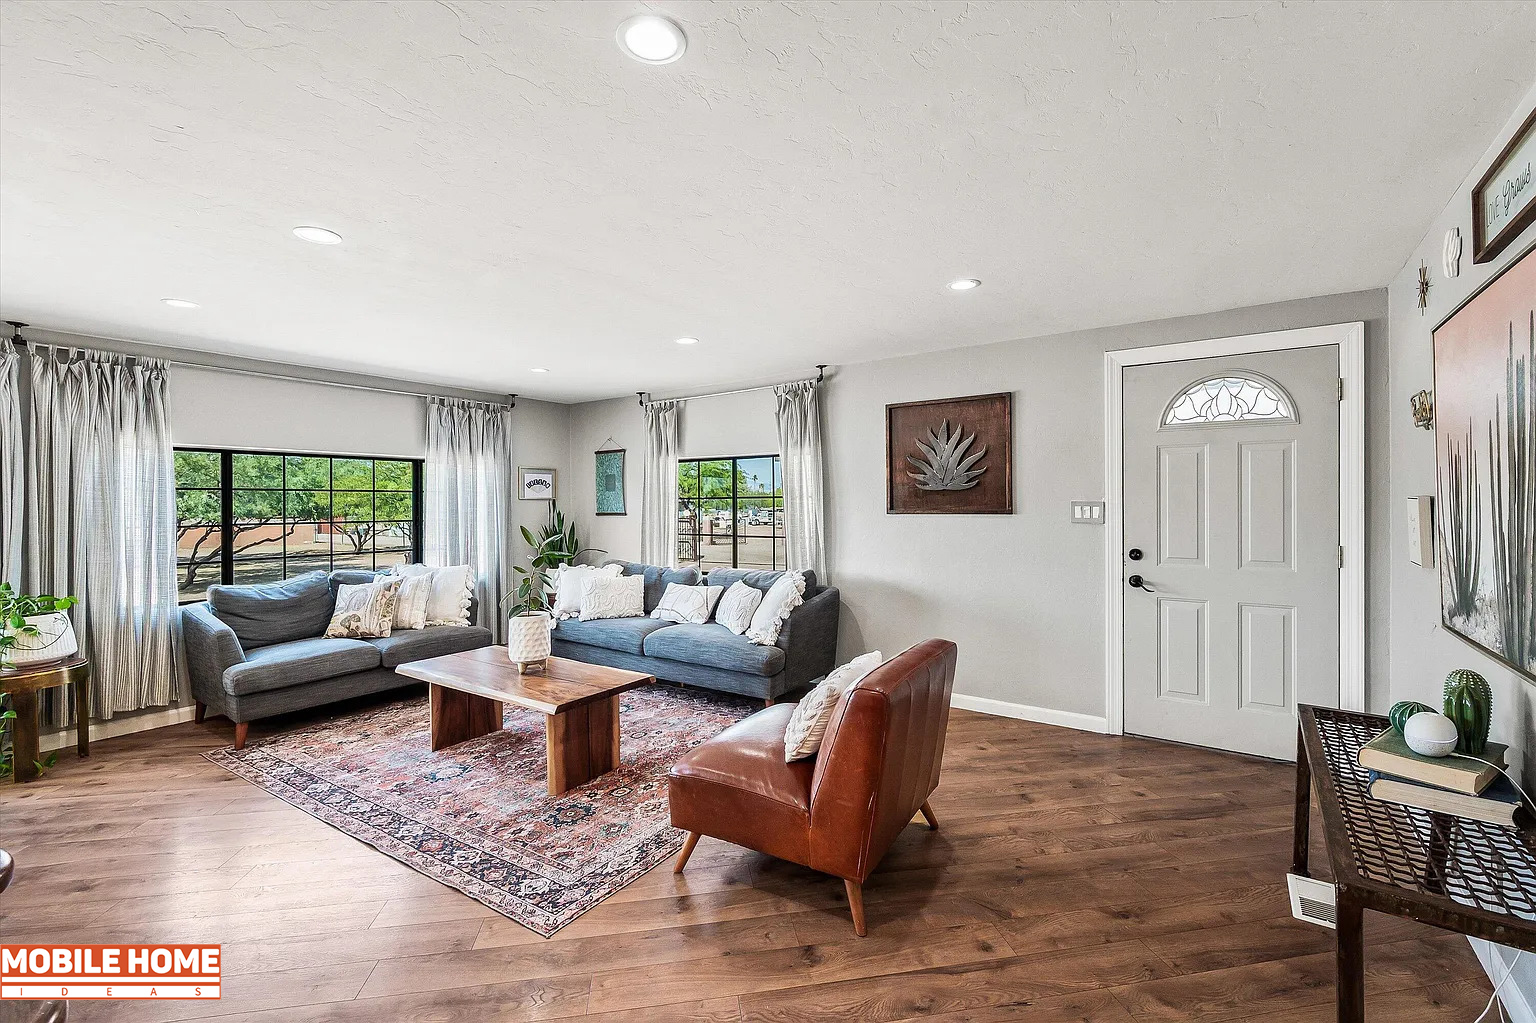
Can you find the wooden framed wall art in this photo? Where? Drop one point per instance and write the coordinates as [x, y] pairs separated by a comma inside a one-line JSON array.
[[1485, 464], [950, 456]]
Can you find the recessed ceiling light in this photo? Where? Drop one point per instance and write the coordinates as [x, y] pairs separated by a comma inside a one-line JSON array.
[[652, 39], [964, 284], [538, 369], [318, 235], [687, 340], [179, 303]]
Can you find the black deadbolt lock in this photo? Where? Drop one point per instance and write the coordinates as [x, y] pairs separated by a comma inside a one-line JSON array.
[[1135, 554]]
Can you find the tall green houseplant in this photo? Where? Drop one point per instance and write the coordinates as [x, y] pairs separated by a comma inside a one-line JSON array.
[[554, 544]]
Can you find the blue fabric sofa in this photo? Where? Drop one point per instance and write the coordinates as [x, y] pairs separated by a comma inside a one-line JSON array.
[[710, 655], [257, 651]]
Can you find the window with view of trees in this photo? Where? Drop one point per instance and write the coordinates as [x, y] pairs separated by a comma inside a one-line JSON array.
[[248, 517], [730, 513]]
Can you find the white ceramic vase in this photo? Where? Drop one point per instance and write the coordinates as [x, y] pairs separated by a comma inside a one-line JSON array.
[[528, 640], [55, 640]]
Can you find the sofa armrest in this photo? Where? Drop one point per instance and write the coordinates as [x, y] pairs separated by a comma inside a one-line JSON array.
[[809, 638], [211, 647]]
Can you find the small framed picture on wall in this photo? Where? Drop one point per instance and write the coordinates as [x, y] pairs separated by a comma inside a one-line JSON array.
[[535, 484]]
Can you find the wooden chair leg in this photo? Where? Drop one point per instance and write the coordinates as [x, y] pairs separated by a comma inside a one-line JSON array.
[[200, 710], [682, 857], [856, 905], [242, 729], [767, 702], [927, 812]]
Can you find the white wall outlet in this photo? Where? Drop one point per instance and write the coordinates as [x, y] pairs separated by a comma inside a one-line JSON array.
[[1088, 513], [1421, 531]]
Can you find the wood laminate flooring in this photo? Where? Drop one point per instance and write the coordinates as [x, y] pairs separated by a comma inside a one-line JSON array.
[[1076, 877]]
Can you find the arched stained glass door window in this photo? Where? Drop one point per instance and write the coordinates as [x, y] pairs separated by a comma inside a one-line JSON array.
[[1230, 398]]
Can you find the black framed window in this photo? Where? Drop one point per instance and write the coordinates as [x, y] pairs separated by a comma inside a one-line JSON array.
[[730, 512], [249, 516]]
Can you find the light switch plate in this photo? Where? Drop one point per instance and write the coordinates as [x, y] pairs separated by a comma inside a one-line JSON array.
[[1421, 531], [1088, 513]]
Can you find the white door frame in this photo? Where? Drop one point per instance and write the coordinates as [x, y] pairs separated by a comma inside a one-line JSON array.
[[1350, 338]]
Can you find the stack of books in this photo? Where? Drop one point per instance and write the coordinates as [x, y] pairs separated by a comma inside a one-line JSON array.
[[1452, 785]]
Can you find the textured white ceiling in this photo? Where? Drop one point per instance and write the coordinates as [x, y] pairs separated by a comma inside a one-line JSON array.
[[515, 192]]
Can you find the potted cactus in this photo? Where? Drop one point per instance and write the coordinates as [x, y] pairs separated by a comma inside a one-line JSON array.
[[1469, 703]]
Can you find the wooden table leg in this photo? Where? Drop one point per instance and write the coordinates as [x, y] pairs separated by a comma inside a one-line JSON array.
[[1301, 834], [581, 743], [83, 715], [24, 752], [1350, 979], [458, 717]]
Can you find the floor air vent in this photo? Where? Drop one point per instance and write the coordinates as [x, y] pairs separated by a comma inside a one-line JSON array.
[[1312, 901]]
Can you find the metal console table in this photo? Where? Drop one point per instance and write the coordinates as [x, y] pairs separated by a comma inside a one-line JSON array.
[[1465, 876]]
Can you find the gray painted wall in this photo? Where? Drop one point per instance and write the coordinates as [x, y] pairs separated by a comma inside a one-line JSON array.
[[1022, 593], [1422, 651]]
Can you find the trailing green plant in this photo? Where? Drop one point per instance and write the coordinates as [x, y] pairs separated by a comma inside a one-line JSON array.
[[16, 608], [554, 544], [1512, 500], [1461, 525]]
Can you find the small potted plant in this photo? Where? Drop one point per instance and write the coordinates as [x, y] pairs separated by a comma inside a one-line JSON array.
[[34, 629], [530, 620]]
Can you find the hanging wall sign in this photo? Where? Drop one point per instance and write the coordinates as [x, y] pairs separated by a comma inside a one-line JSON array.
[[610, 481], [1504, 201]]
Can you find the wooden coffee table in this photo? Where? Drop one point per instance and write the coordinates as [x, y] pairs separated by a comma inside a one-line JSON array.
[[580, 702]]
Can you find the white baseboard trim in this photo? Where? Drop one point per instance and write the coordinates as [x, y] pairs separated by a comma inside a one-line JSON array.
[[1497, 961], [125, 724], [1024, 712]]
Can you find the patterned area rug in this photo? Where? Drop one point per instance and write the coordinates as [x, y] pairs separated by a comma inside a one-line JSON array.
[[475, 816]]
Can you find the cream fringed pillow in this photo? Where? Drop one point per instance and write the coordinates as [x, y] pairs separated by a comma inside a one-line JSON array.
[[411, 601], [808, 724], [364, 612]]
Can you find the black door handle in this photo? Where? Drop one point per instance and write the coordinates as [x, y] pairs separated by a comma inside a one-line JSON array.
[[1140, 583]]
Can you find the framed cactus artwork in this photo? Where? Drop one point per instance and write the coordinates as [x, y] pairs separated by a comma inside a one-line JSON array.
[[1485, 457], [950, 456]]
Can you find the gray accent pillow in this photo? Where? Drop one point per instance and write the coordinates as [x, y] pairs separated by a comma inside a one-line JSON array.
[[267, 613]]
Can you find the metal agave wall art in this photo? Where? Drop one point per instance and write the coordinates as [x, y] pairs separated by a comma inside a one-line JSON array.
[[947, 466]]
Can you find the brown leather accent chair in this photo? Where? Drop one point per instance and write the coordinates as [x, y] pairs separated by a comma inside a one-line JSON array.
[[839, 812]]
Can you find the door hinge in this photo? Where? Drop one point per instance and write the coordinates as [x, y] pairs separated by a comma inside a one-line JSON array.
[[1341, 388], [1341, 557]]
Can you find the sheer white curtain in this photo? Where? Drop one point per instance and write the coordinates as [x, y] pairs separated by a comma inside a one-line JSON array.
[[11, 508], [101, 509], [467, 508], [799, 417], [658, 493]]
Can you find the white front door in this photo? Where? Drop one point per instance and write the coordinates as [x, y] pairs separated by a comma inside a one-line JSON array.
[[1231, 559]]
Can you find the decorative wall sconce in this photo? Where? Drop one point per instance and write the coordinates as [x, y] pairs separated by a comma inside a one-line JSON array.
[[1450, 255], [1423, 405]]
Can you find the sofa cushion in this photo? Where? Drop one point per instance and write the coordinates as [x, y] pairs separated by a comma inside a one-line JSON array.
[[758, 579], [281, 665], [260, 615], [715, 645], [404, 645], [656, 579], [626, 635]]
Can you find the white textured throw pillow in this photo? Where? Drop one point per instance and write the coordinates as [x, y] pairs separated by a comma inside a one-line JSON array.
[[569, 580], [782, 597], [620, 596], [366, 611], [452, 590], [808, 724], [687, 605], [737, 607], [411, 601]]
